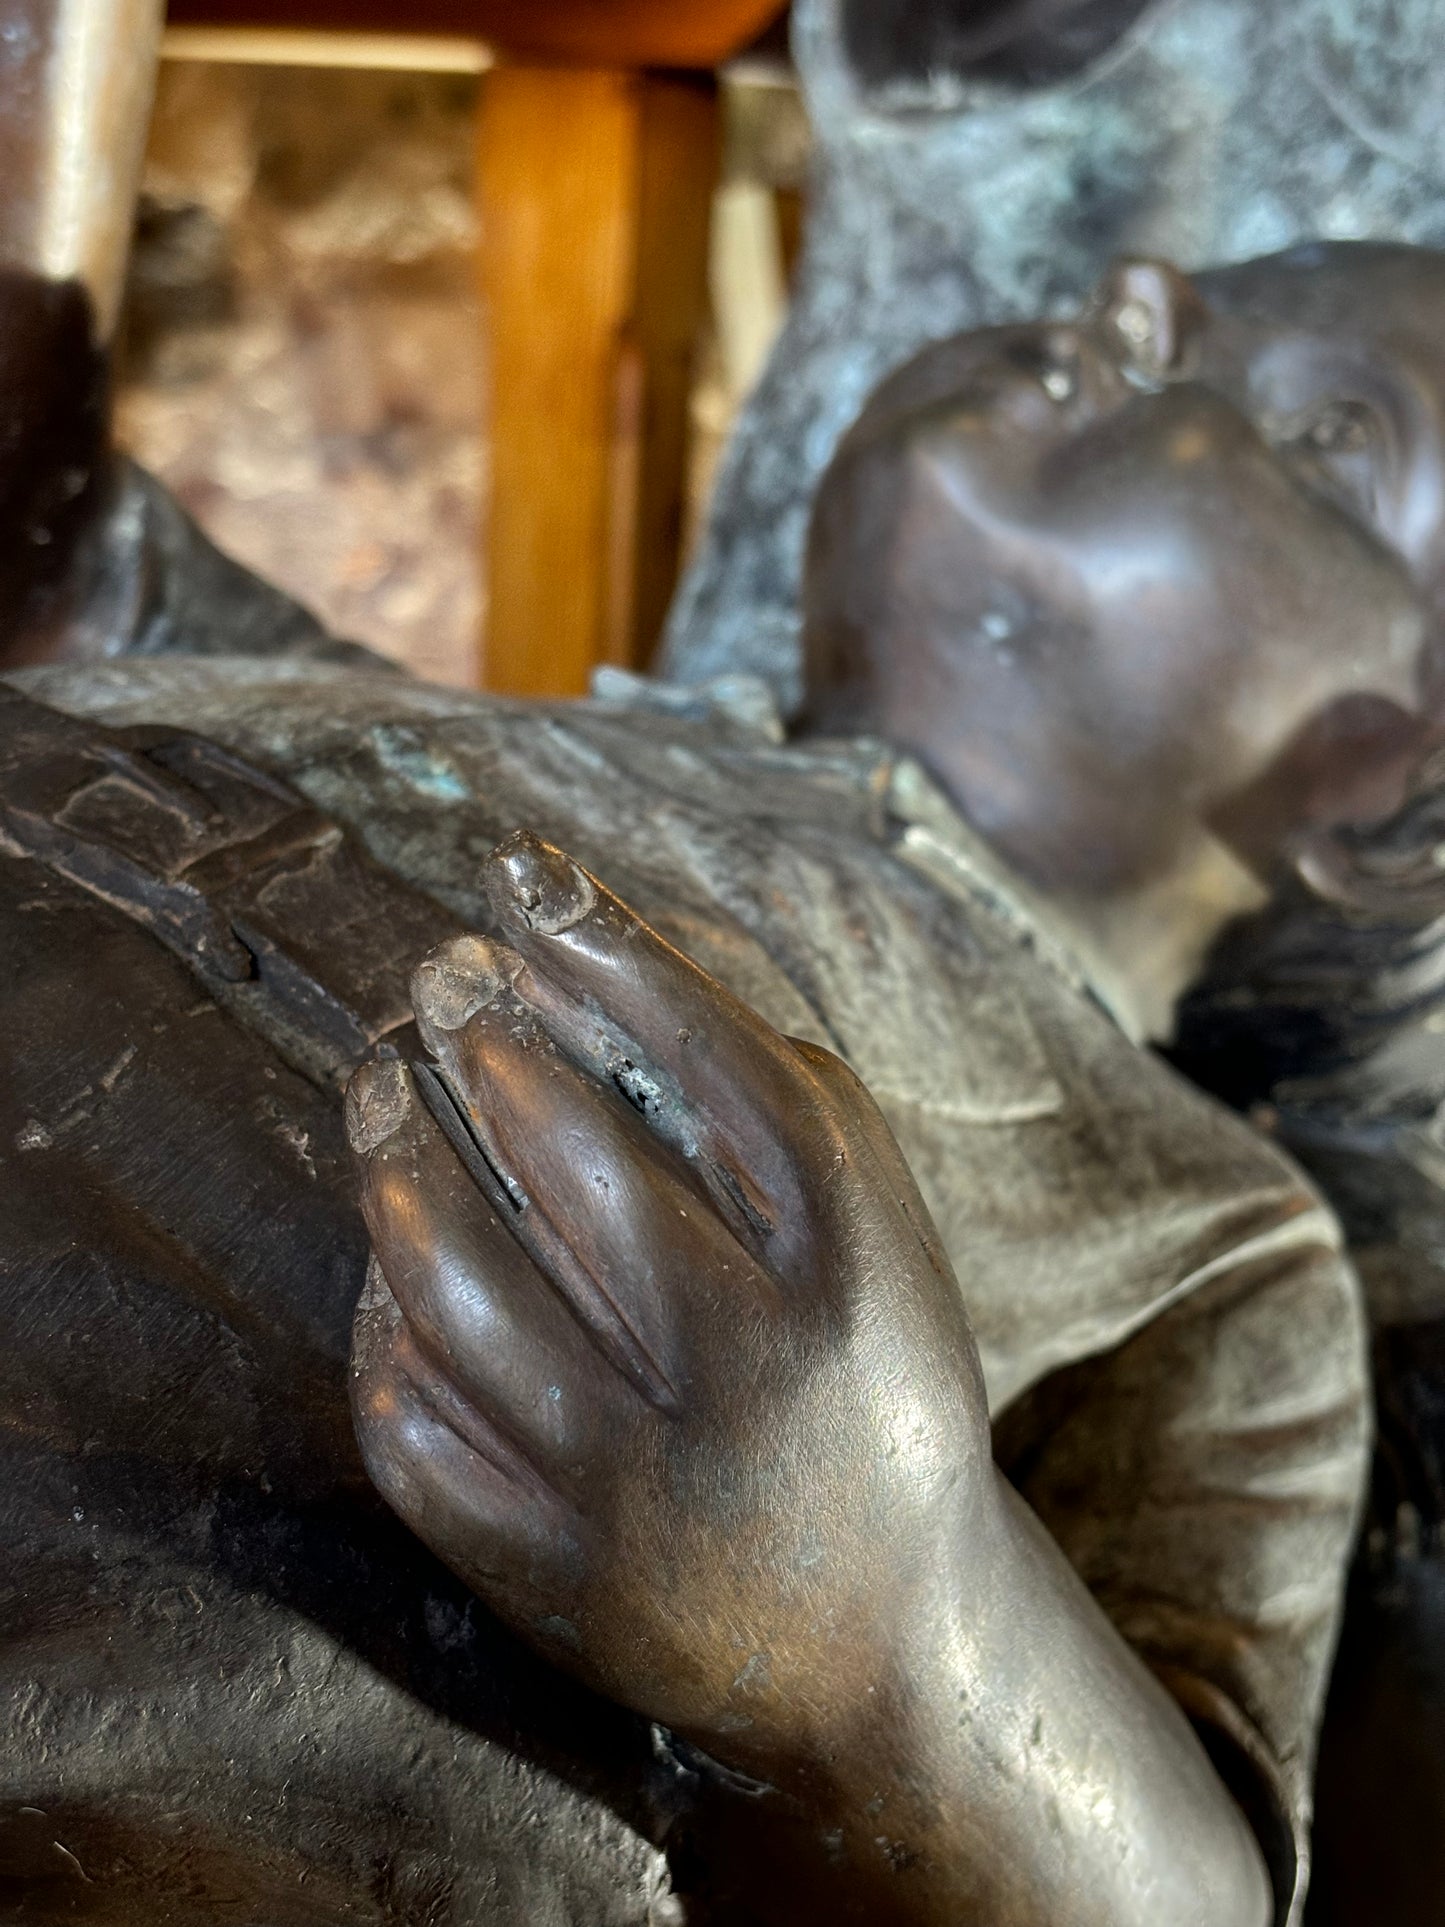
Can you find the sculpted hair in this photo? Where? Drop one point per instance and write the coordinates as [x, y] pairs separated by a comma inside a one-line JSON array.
[[1323, 1015]]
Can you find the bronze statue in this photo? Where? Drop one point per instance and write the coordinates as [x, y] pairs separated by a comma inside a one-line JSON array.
[[1149, 1285], [1317, 1011], [680, 1348], [677, 1373], [1065, 507], [1319, 1015], [1131, 1254], [999, 519]]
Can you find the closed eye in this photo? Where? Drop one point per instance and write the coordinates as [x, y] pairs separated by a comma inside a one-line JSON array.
[[1340, 445]]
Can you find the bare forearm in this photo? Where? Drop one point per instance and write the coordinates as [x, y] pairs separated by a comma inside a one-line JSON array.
[[1019, 1765]]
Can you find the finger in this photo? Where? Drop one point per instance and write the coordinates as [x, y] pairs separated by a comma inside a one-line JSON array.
[[604, 1208], [465, 1494], [478, 1308], [858, 1108], [707, 1071]]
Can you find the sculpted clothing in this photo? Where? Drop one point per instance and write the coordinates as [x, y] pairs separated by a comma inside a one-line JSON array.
[[1324, 1014], [1172, 1339]]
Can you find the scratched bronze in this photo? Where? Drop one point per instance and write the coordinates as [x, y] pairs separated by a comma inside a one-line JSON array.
[[732, 1500], [851, 1433], [733, 1516]]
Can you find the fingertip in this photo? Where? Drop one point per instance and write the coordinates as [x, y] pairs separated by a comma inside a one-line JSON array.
[[530, 880], [459, 978], [378, 1103]]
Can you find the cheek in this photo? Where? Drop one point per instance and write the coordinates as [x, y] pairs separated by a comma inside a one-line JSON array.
[[1408, 484], [1324, 608], [1350, 764], [1431, 578]]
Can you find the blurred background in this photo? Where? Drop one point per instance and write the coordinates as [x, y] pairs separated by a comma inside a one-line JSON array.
[[444, 336]]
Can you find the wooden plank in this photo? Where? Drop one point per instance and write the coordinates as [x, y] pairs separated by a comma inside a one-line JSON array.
[[678, 172], [392, 53], [557, 179], [594, 191]]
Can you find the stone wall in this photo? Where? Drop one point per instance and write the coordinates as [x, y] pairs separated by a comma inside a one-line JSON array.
[[302, 344]]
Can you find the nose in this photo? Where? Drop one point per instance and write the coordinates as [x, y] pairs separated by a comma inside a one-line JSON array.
[[1148, 318]]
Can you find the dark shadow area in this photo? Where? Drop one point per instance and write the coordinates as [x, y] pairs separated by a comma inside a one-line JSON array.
[[1379, 1849], [1032, 43]]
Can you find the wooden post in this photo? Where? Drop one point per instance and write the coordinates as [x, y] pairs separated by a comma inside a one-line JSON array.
[[595, 189]]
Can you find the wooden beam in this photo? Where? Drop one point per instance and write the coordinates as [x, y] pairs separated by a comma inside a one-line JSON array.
[[594, 189], [589, 33], [400, 53]]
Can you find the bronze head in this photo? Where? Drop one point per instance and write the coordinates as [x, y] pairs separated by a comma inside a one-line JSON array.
[[1175, 568]]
